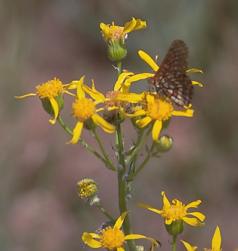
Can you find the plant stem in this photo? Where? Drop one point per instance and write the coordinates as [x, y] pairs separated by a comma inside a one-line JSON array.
[[103, 210], [109, 162], [174, 243], [82, 142]]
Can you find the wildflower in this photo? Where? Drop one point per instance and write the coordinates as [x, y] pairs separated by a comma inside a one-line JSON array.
[[115, 37], [50, 93], [84, 109], [158, 110], [216, 242], [165, 143], [115, 33], [112, 238], [86, 188], [155, 67], [177, 211]]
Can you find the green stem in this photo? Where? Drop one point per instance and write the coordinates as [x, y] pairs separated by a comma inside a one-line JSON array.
[[103, 210], [174, 243], [81, 141], [109, 162]]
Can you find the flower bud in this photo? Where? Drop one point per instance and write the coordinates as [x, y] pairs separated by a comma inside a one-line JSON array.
[[87, 188], [48, 107], [116, 51], [175, 228], [164, 143]]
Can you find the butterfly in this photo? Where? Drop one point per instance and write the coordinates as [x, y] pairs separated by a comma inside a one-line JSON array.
[[171, 80]]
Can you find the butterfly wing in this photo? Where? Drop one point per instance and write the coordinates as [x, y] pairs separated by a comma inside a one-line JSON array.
[[171, 80]]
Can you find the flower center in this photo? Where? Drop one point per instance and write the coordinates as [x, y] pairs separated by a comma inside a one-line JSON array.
[[112, 238], [83, 109], [175, 212], [159, 109], [87, 188], [116, 32], [50, 89]]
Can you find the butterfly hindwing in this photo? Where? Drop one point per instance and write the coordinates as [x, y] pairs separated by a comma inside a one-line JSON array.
[[171, 80]]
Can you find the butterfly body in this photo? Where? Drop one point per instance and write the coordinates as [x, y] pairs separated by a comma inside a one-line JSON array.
[[171, 80]]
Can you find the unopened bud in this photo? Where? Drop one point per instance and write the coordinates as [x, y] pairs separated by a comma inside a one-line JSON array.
[[116, 51], [87, 188], [164, 143]]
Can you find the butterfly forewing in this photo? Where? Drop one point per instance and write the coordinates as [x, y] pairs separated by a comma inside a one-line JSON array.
[[171, 80]]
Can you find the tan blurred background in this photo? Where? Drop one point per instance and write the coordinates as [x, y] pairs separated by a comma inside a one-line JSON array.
[[40, 209]]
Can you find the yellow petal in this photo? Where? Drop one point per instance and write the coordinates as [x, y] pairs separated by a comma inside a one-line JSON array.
[[188, 246], [198, 215], [168, 221], [107, 127], [26, 95], [194, 70], [193, 204], [192, 221], [130, 97], [197, 83], [120, 221], [136, 114], [120, 249], [148, 59], [55, 108], [156, 129], [120, 80], [88, 239], [216, 240], [138, 77], [129, 26], [155, 210], [96, 95], [166, 202], [140, 24], [77, 133], [143, 122], [186, 113]]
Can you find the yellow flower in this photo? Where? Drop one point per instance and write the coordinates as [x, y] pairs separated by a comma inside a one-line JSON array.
[[112, 32], [50, 91], [84, 109], [156, 111], [155, 67], [112, 238], [216, 242], [177, 211], [87, 188]]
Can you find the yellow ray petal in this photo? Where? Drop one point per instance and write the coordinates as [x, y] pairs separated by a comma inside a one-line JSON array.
[[186, 113], [192, 221], [107, 127], [155, 210], [138, 77], [26, 95], [166, 202], [188, 246], [197, 83], [121, 79], [88, 238], [143, 122], [193, 204], [129, 26], [77, 133], [156, 130], [120, 221], [55, 108], [96, 95], [149, 60], [198, 215], [120, 249], [216, 240], [194, 70]]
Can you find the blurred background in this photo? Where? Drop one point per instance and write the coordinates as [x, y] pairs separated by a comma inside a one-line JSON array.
[[40, 209]]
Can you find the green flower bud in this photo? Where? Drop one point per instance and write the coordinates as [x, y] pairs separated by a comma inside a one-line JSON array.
[[48, 107], [164, 143], [175, 228], [116, 51]]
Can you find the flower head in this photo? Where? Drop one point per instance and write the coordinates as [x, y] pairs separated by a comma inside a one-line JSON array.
[[85, 109], [112, 237], [86, 188], [50, 94], [216, 242], [112, 32], [177, 211], [158, 110]]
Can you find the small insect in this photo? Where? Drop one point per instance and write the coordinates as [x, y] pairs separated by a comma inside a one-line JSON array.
[[171, 81]]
